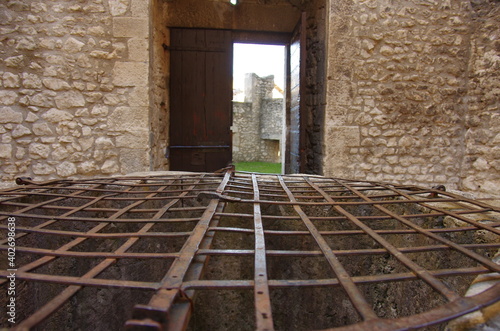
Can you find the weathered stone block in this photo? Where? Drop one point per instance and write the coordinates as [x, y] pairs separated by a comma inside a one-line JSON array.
[[138, 49], [11, 80], [140, 8], [130, 74], [86, 143], [133, 160], [55, 84], [110, 167], [100, 110], [69, 99], [26, 44], [42, 129], [20, 130], [139, 97], [43, 169], [104, 143], [8, 97], [73, 45], [56, 115], [66, 169], [130, 27], [118, 7], [94, 8], [38, 151], [44, 99], [14, 61], [128, 119], [5, 151], [20, 153], [59, 153], [137, 139], [8, 115], [87, 168], [104, 55], [96, 31]]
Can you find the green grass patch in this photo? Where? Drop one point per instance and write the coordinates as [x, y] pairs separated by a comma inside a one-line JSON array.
[[262, 167]]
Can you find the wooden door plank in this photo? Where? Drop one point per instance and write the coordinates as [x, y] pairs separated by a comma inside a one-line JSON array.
[[202, 82]]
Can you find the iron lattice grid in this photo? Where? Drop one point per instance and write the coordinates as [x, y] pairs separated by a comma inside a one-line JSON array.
[[158, 236]]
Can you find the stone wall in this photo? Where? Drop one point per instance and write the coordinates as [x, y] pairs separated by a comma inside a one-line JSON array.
[[481, 164], [74, 98], [257, 122], [401, 87]]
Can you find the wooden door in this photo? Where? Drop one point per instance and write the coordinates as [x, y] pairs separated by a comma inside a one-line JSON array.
[[200, 99], [295, 148]]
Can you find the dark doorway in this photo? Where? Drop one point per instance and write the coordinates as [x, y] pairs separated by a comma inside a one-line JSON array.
[[200, 99], [201, 94]]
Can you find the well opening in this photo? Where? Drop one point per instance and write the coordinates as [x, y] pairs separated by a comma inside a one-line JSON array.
[[243, 251]]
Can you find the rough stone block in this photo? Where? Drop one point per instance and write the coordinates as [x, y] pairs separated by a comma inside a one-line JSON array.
[[140, 8], [344, 136], [66, 169], [38, 151], [56, 116], [138, 49], [87, 168], [139, 97], [56, 84], [104, 143], [137, 139], [69, 99], [20, 130], [31, 81], [8, 115], [118, 7], [133, 160], [42, 129], [128, 119], [72, 45], [5, 151], [110, 167], [130, 27], [43, 169], [130, 74], [11, 80], [14, 61], [7, 97]]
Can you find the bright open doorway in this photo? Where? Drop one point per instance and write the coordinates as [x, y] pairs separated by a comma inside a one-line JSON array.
[[258, 106]]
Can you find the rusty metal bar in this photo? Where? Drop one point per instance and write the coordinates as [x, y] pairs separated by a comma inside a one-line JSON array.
[[290, 218], [170, 290], [334, 282], [357, 299], [65, 295], [484, 261], [414, 267], [263, 313]]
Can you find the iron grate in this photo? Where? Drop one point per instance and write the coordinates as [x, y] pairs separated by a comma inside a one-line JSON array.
[[242, 251]]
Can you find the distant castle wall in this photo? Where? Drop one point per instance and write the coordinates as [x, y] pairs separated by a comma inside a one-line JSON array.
[[257, 122]]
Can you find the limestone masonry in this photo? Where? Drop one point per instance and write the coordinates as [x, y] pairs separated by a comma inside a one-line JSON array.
[[413, 93], [74, 89]]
